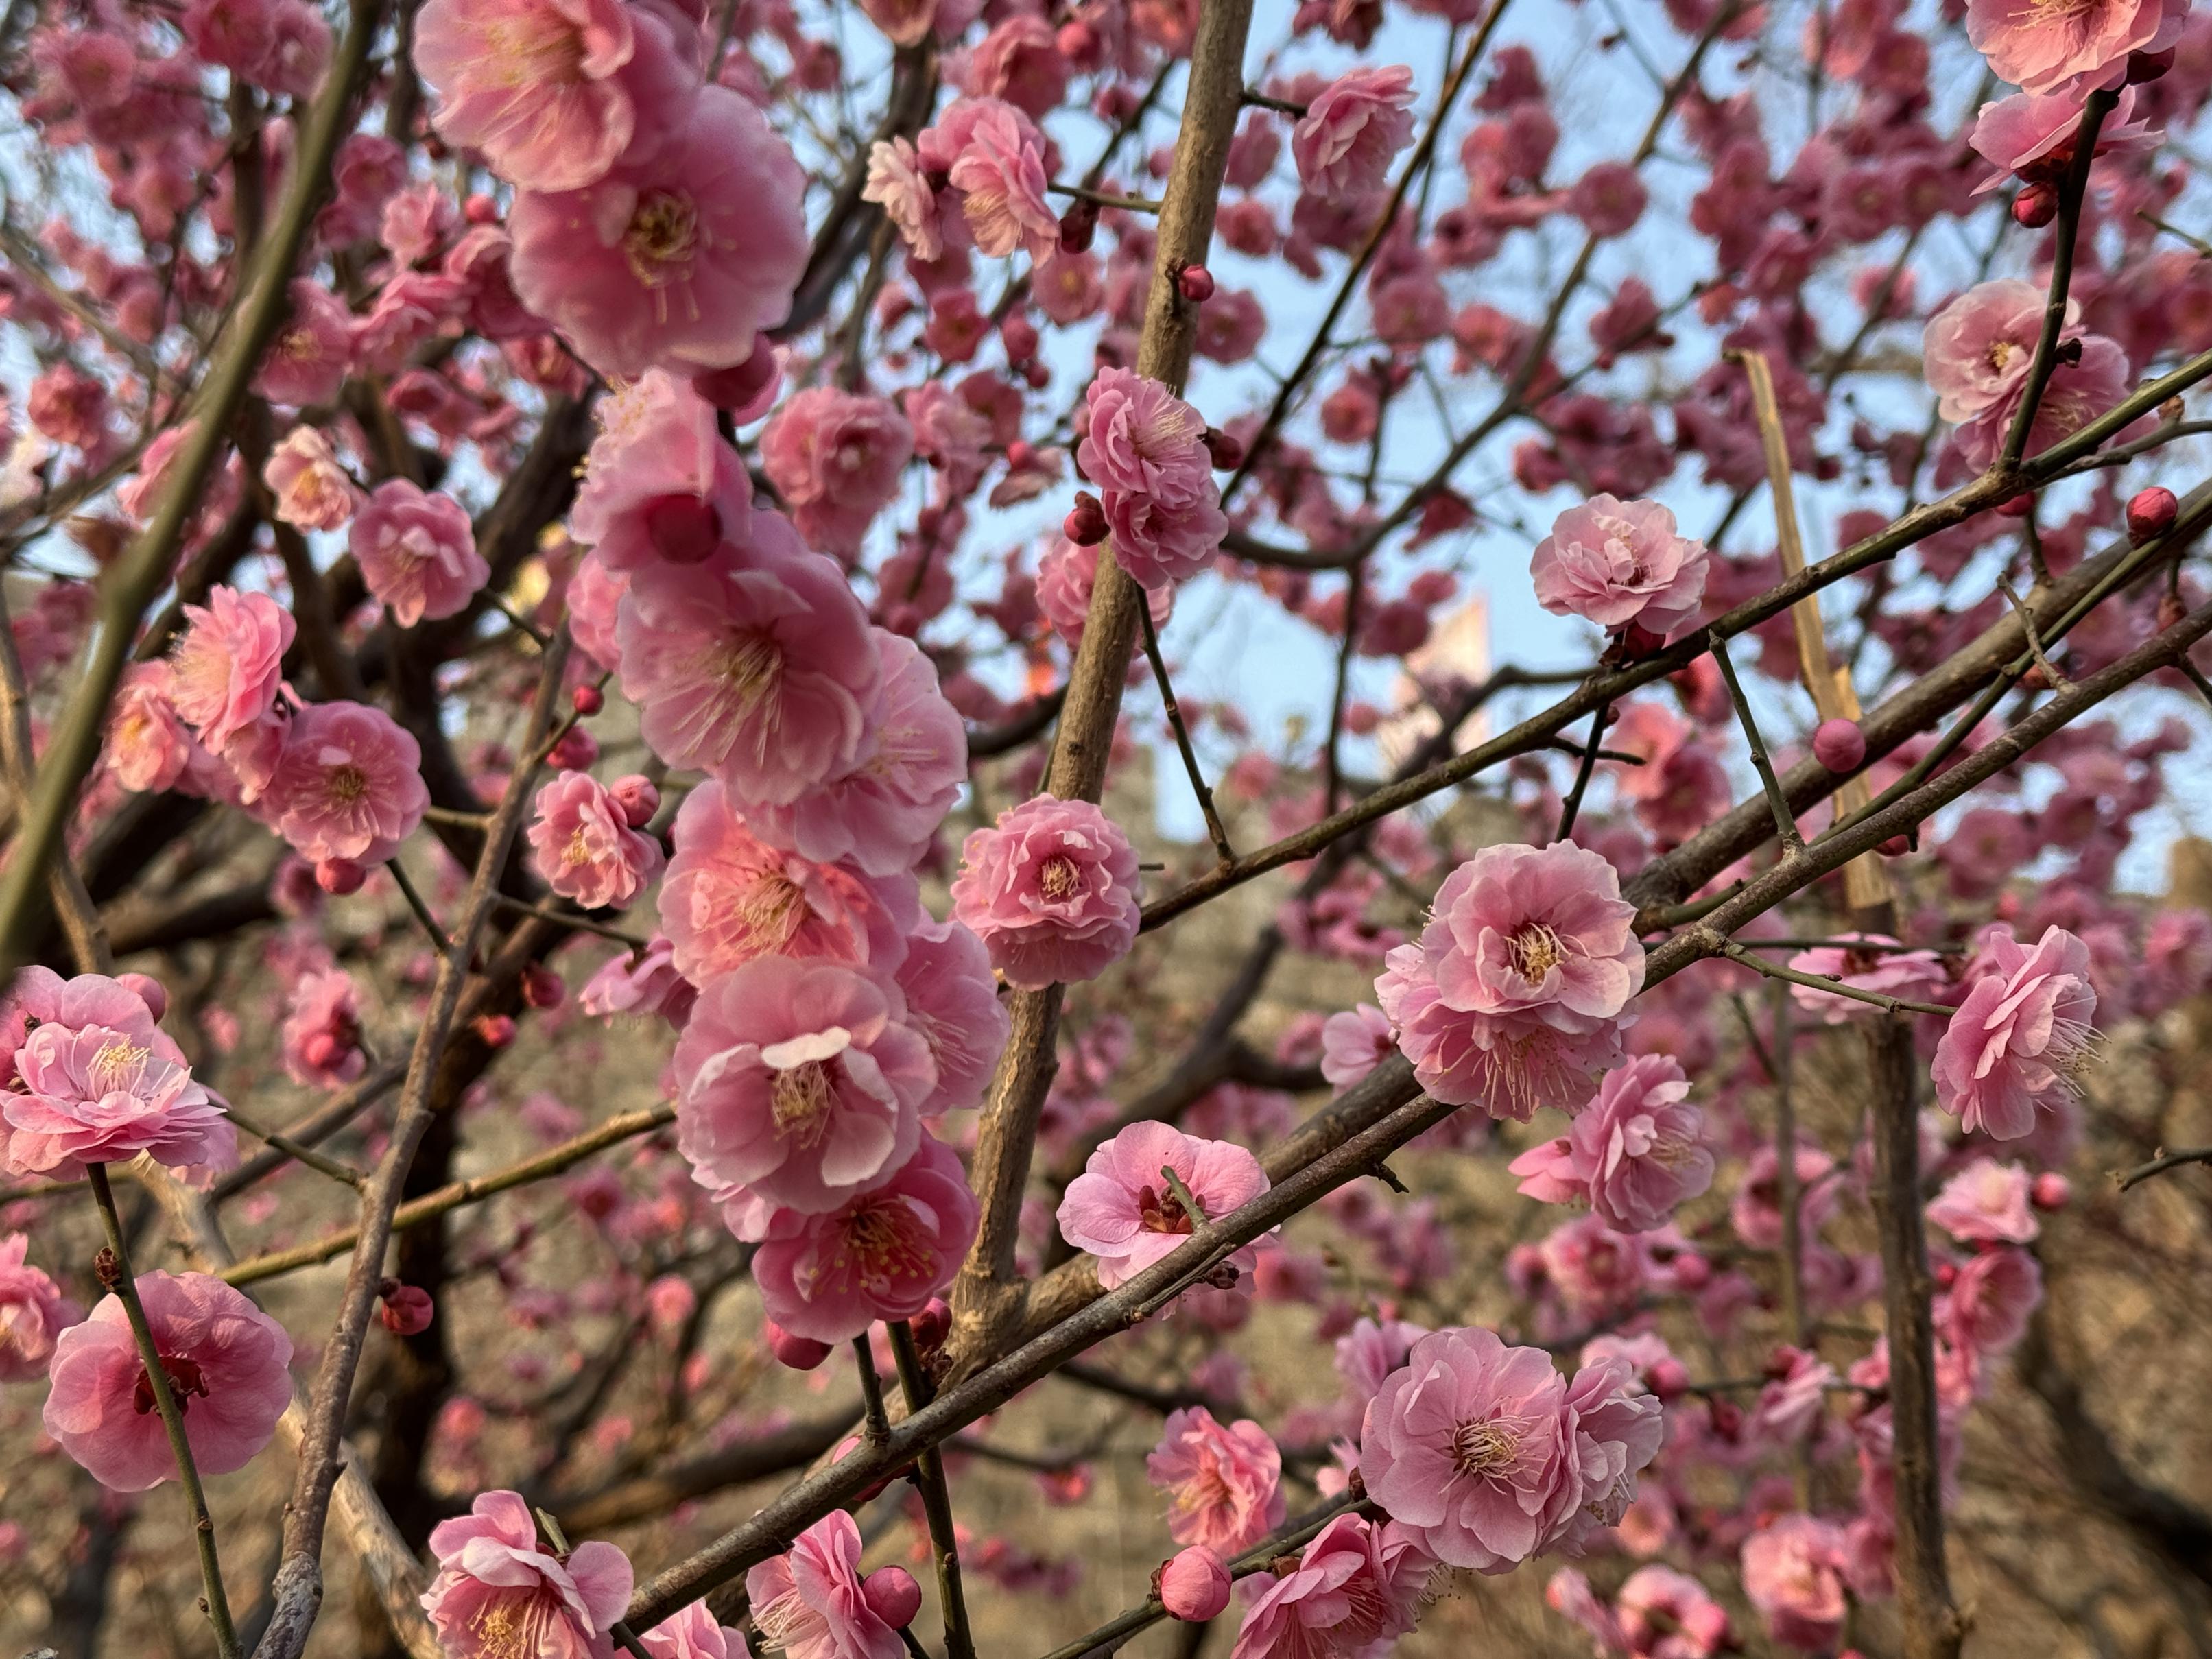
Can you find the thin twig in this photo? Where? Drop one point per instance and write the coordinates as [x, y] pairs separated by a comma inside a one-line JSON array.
[[2158, 1165], [1213, 826], [1785, 821], [876, 1421], [936, 1501], [1571, 809], [1831, 983]]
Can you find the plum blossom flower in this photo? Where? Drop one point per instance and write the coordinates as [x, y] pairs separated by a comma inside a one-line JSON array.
[[883, 1255], [677, 261], [306, 362], [643, 983], [1052, 890], [347, 785], [1066, 574], [321, 1033], [1790, 1404], [148, 747], [1487, 1456], [1353, 1043], [34, 1313], [799, 1082], [1355, 1586], [1370, 1352], [658, 481], [1344, 142], [1145, 450], [1568, 1593], [1986, 1309], [313, 490], [227, 1364], [584, 845], [2078, 392], [2076, 48], [1987, 1202], [883, 814], [1225, 1483], [1123, 1211], [1913, 975], [758, 668], [1793, 1574], [898, 184], [995, 157], [835, 457], [692, 1632], [1979, 348], [1670, 1615], [229, 663], [97, 1093], [1194, 1584], [1512, 996], [952, 999], [417, 552], [812, 1603], [1619, 563], [500, 1591], [2031, 137], [1634, 1153], [731, 898], [553, 92], [2022, 1034]]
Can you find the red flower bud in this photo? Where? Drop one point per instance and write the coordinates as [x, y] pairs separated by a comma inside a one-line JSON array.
[[542, 988], [1226, 451], [1085, 524], [339, 877], [404, 1310], [2051, 1191], [1078, 226], [1840, 745], [800, 1353], [1195, 283], [496, 1031], [588, 699], [2036, 206], [892, 1595], [683, 529], [575, 751], [2151, 514]]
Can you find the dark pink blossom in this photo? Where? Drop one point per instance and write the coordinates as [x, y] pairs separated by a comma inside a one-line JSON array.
[[952, 999], [584, 845], [229, 663], [1915, 976], [1356, 1585], [227, 1364], [313, 491], [2022, 1034], [1223, 1483], [417, 552], [1125, 1211], [1633, 1154], [349, 784], [1352, 128], [2031, 137], [659, 482], [1793, 1573], [499, 1590], [1986, 1201], [835, 457], [100, 1093], [812, 1602]]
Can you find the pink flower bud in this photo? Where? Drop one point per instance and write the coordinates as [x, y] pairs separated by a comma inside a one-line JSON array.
[[496, 1031], [2148, 66], [735, 387], [1194, 1585], [1195, 283], [1840, 745], [404, 1310], [2036, 206], [1078, 226], [575, 751], [1946, 1273], [1895, 847], [2020, 507], [480, 210], [892, 1595], [2051, 1191], [149, 990], [800, 1353], [1085, 524], [588, 699], [930, 1325], [637, 797], [339, 877], [1021, 455], [1019, 335], [2151, 512], [542, 988], [683, 529], [1226, 451], [1669, 1378]]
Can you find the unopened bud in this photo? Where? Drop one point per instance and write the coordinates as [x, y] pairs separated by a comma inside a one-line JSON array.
[[1193, 1585], [404, 1310], [1228, 454], [1086, 524], [588, 699], [1196, 284], [542, 988], [637, 797], [1840, 745], [338, 876], [2151, 514], [2051, 1191], [2035, 207], [1078, 226], [495, 1030], [892, 1595], [575, 751], [149, 990], [800, 1353]]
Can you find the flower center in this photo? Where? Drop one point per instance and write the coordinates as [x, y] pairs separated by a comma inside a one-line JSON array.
[[185, 1380], [1536, 951], [1059, 878], [119, 1066], [530, 53], [662, 239], [2001, 350], [513, 1626], [882, 1245], [1485, 1448], [751, 666], [1162, 1213], [800, 1099], [348, 784]]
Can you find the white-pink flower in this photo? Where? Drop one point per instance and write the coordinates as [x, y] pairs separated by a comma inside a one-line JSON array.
[[1987, 1202], [2022, 1034], [1620, 563], [1344, 142], [1633, 1154], [1052, 890], [2077, 47]]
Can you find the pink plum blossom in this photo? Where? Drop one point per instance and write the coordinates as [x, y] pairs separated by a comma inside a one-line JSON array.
[[883, 1255], [836, 457], [812, 1603], [1986, 1309], [1670, 1615], [760, 669], [307, 360], [321, 1033], [499, 1590], [1344, 142], [313, 490], [1634, 1153], [2079, 392], [1353, 1043], [1986, 1201], [349, 784], [584, 845], [1123, 1211], [1051, 889], [417, 552], [883, 814], [2022, 1034], [1793, 1573], [97, 1093], [228, 664], [898, 184], [1979, 348], [1487, 1456], [1512, 996], [692, 1632], [1913, 975], [1066, 574], [1145, 450], [34, 1313], [799, 1082], [730, 897], [1223, 1483], [659, 482], [952, 999], [995, 157], [2077, 48], [148, 746], [645, 982], [1356, 1585], [227, 1364], [676, 261], [2031, 137], [1195, 1584], [1618, 563], [553, 92]]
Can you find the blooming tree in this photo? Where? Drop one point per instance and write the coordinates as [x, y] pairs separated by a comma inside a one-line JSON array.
[[560, 548]]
